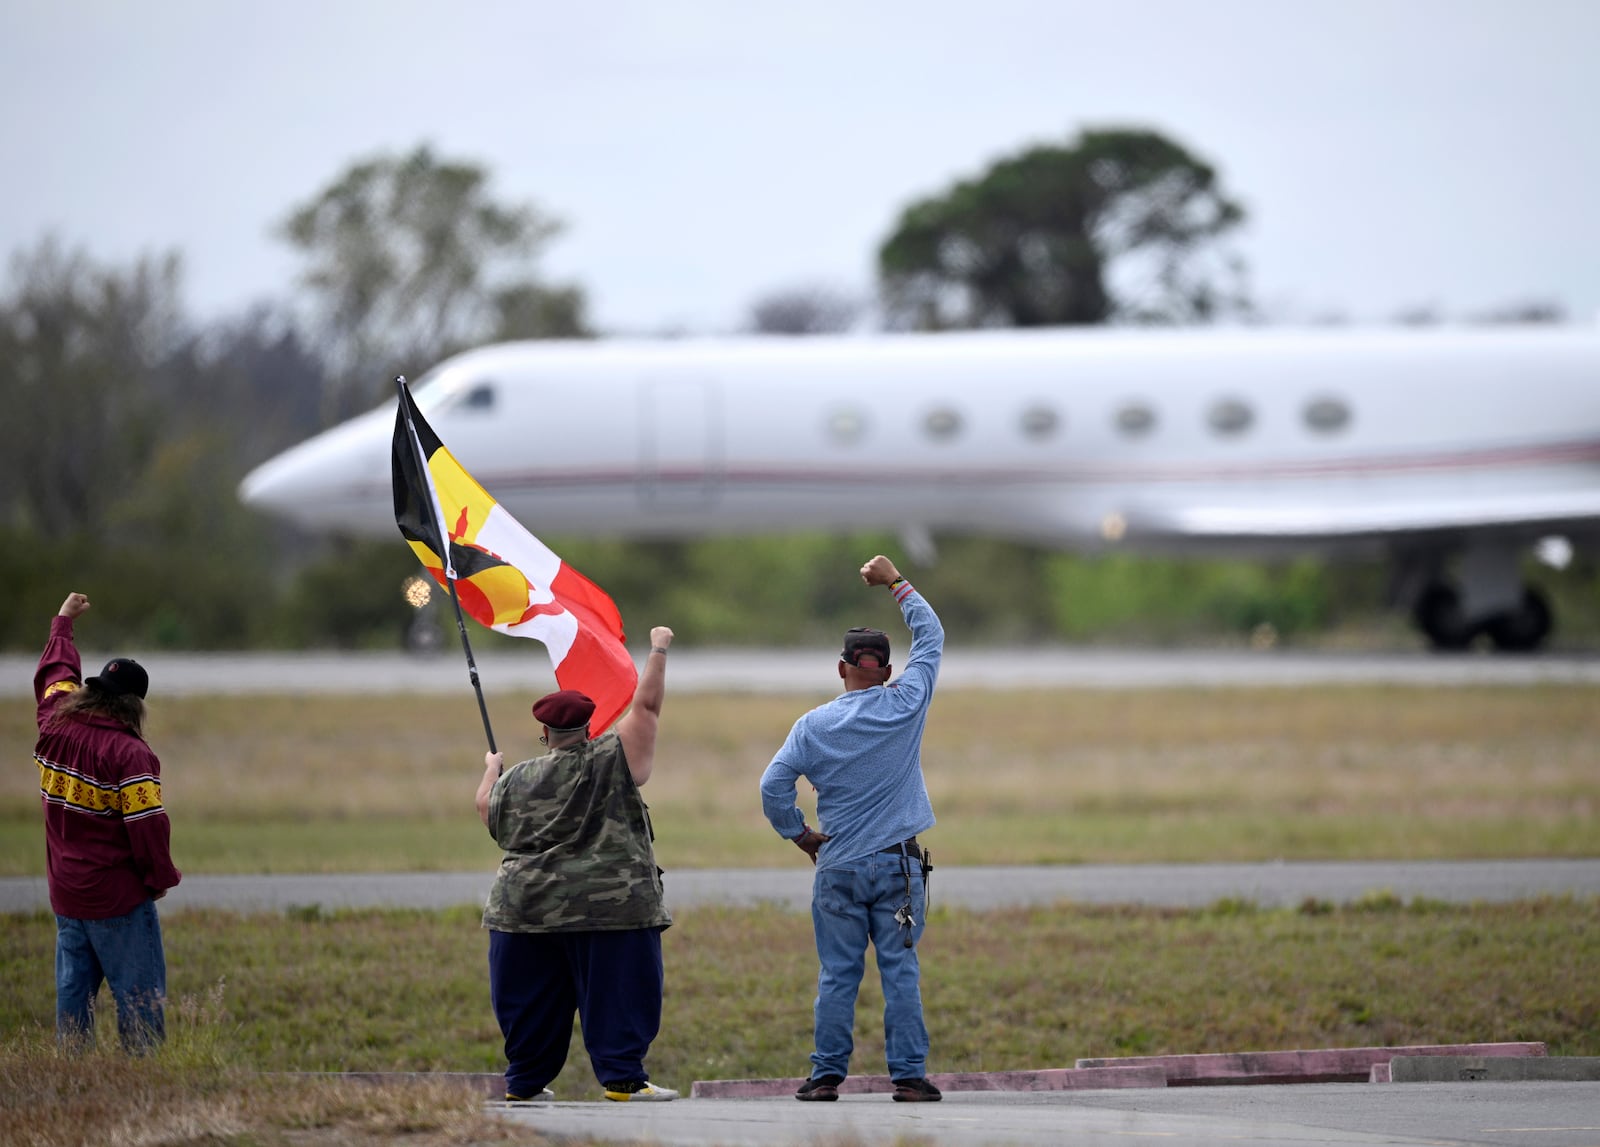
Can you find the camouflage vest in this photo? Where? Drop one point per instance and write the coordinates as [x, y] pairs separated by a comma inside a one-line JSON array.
[[576, 836]]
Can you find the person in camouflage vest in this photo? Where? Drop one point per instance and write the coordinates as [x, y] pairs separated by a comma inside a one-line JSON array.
[[575, 913]]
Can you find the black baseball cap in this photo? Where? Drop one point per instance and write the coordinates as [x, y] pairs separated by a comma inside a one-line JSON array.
[[121, 676], [859, 641]]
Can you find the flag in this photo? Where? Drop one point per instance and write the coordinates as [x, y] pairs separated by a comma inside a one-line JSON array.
[[505, 578]]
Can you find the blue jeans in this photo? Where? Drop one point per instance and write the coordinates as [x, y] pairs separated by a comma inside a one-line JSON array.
[[850, 904], [125, 951]]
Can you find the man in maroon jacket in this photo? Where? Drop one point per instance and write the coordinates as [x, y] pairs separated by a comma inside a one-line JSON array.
[[106, 838]]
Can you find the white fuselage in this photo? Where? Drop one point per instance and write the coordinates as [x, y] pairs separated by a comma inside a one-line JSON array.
[[1140, 438]]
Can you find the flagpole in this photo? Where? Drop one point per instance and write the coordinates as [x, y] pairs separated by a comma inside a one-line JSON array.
[[449, 581]]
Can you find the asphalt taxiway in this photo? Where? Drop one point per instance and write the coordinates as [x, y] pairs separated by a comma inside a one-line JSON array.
[[1268, 885], [508, 665]]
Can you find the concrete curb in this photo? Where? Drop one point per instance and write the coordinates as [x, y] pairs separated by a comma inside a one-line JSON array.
[[1046, 1079], [1435, 1063], [1465, 1068], [1325, 1065]]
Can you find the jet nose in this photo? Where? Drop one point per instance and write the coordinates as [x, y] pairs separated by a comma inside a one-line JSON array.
[[274, 486], [337, 480]]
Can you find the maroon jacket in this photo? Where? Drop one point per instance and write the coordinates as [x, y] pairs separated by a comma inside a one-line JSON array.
[[106, 832]]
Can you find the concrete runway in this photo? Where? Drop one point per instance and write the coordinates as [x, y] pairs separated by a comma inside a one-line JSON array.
[[507, 665], [1503, 1114]]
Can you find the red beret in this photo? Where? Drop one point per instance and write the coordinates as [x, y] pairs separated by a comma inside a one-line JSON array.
[[567, 709]]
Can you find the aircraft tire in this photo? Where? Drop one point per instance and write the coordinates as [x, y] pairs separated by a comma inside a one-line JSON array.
[[422, 635], [1438, 615], [1522, 630]]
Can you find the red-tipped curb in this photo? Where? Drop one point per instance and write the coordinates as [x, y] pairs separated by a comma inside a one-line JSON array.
[[1046, 1079], [1326, 1065]]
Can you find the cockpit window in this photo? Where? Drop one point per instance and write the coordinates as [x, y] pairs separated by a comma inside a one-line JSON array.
[[446, 393]]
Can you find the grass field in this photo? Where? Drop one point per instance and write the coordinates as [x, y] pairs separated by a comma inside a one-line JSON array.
[[373, 784], [406, 991], [386, 990], [279, 784]]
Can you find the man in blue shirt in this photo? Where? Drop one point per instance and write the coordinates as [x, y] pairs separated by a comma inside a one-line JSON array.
[[862, 752]]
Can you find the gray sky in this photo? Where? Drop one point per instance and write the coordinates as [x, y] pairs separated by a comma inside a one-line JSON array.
[[1392, 153]]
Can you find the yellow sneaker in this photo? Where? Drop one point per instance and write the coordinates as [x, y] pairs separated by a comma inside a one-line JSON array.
[[638, 1091]]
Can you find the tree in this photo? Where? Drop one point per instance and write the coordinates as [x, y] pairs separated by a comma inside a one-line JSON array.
[[813, 310], [124, 440], [531, 311], [1119, 225], [410, 259], [85, 357], [256, 375]]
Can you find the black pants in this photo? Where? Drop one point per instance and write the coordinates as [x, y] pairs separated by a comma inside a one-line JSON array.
[[612, 980]]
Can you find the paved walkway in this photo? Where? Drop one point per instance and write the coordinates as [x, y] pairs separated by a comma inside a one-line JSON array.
[[1299, 1115], [1167, 885]]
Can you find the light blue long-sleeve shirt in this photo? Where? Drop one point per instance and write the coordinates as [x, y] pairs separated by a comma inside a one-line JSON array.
[[863, 753]]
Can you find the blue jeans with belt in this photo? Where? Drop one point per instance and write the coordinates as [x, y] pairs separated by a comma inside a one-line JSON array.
[[125, 951], [850, 904]]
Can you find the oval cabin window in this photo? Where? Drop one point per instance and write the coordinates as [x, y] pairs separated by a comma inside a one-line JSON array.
[[846, 426], [1230, 416], [942, 423], [1327, 415], [1136, 420], [1040, 422]]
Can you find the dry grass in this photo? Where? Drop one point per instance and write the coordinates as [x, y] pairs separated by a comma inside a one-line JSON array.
[[1060, 776], [108, 1103], [192, 1091]]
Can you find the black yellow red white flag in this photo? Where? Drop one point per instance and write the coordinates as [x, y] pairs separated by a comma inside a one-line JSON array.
[[504, 577]]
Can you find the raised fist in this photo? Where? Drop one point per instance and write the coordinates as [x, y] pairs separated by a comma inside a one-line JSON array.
[[879, 571]]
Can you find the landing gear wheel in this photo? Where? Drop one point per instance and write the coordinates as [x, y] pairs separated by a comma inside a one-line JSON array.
[[1523, 629], [1438, 614], [422, 635]]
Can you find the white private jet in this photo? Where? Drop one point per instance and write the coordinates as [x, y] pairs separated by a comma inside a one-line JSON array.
[[1452, 450]]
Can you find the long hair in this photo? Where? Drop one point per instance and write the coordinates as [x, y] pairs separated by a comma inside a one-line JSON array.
[[87, 700]]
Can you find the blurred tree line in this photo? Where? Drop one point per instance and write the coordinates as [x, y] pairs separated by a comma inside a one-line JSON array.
[[128, 426]]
